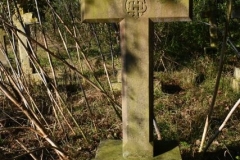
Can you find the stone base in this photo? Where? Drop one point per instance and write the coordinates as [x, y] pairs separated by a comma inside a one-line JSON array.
[[163, 150]]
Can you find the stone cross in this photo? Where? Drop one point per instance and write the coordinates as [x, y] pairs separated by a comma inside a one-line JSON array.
[[136, 19], [22, 23]]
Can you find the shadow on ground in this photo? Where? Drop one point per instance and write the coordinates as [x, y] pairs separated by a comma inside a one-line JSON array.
[[230, 153]]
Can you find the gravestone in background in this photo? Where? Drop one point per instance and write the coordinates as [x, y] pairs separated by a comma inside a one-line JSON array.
[[22, 23], [136, 19], [3, 45]]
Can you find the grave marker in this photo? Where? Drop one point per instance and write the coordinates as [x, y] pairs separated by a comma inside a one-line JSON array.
[[3, 44], [22, 23], [136, 19]]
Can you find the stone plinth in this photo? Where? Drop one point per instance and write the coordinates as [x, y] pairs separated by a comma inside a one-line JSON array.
[[163, 150]]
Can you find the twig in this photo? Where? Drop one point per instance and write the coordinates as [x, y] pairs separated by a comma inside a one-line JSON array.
[[157, 130], [32, 117], [25, 148]]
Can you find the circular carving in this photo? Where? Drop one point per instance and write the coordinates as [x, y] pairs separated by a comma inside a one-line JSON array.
[[136, 8]]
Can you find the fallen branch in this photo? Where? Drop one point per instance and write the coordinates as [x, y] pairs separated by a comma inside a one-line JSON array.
[[35, 121]]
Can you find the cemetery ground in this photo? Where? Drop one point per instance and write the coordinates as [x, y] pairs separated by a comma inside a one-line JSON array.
[[77, 101], [182, 96]]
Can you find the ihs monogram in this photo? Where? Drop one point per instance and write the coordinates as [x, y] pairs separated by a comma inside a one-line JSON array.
[[136, 8]]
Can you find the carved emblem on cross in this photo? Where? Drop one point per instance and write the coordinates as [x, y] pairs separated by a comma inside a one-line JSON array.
[[135, 8]]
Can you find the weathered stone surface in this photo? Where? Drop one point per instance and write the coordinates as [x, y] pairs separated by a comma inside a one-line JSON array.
[[22, 24], [137, 101], [112, 150], [2, 56], [235, 85], [115, 11], [236, 79], [119, 76], [236, 73]]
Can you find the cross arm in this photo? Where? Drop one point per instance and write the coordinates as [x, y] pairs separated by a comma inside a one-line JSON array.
[[169, 10], [102, 10]]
